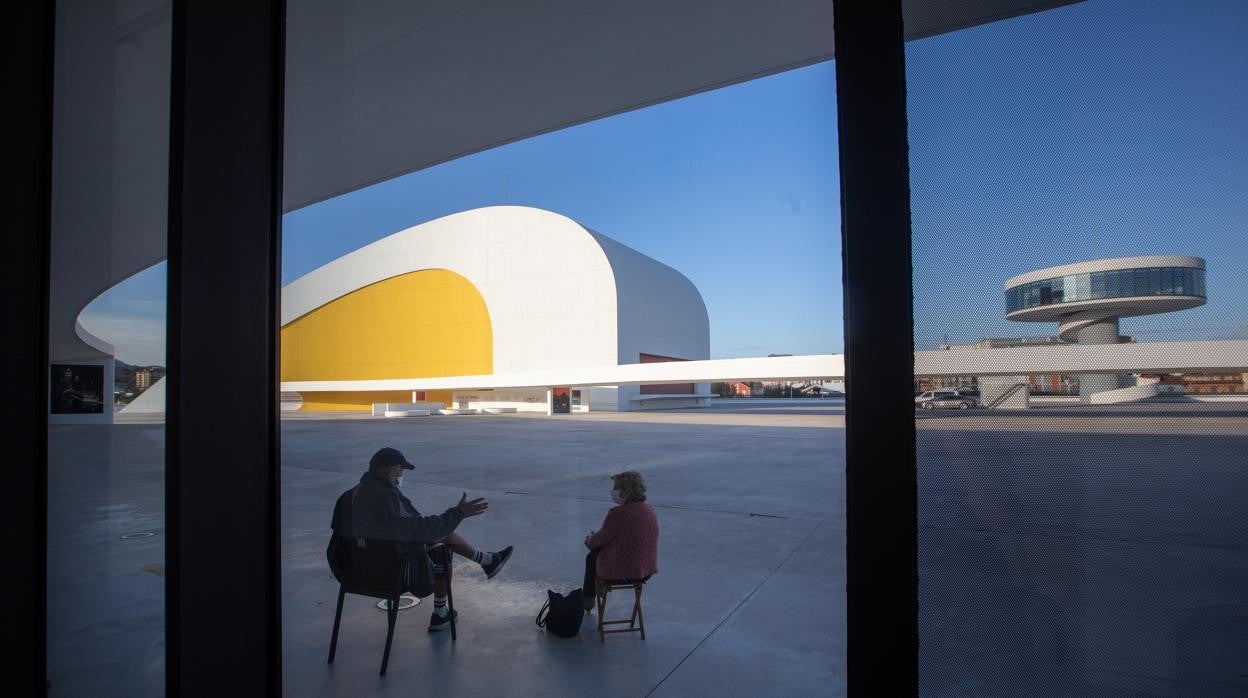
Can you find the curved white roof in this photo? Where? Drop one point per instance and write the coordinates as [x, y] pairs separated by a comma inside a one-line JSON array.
[[1076, 314], [558, 295], [1112, 264]]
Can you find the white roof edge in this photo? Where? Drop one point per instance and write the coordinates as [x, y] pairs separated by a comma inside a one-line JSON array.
[[358, 268], [1074, 359], [91, 340], [1108, 264], [1220, 355], [762, 368]]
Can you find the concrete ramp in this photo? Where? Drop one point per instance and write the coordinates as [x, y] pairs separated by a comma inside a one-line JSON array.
[[1004, 392], [151, 401], [1131, 394]]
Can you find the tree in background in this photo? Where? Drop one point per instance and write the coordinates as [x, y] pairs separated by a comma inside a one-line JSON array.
[[724, 389]]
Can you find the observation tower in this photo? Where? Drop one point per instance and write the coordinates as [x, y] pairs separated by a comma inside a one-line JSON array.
[[1086, 299]]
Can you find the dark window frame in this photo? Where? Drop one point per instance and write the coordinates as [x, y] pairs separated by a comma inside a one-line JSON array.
[[227, 612]]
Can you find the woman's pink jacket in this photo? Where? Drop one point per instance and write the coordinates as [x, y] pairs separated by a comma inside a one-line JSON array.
[[629, 539]]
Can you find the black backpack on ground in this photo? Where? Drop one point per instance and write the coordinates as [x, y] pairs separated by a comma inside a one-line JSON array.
[[562, 615]]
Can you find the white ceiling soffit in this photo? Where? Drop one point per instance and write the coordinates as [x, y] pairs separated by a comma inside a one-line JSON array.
[[379, 88], [382, 88]]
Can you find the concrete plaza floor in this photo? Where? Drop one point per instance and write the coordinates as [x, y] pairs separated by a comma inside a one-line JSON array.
[[749, 599], [1063, 551], [1080, 551]]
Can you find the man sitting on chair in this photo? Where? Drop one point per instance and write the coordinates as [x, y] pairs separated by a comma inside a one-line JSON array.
[[381, 511]]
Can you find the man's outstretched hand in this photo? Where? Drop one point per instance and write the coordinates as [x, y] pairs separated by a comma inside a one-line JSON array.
[[472, 508]]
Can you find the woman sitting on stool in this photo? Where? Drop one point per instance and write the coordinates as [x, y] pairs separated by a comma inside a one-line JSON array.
[[626, 548]]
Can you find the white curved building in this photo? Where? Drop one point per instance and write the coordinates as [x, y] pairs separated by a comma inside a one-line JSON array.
[[503, 289], [1087, 299]]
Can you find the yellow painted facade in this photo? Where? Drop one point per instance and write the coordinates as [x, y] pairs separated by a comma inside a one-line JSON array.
[[422, 324]]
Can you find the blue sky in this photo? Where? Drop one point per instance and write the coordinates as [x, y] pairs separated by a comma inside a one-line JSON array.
[[1100, 129], [1096, 130], [737, 189]]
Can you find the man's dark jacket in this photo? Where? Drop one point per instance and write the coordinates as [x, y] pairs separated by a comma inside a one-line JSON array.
[[376, 509], [379, 510]]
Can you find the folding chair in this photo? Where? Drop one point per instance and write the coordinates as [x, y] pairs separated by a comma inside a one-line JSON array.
[[375, 568], [635, 622]]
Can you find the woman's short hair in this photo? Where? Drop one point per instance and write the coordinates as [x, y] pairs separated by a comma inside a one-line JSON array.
[[631, 484]]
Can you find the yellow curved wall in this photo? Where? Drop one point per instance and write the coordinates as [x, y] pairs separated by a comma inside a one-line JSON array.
[[422, 324]]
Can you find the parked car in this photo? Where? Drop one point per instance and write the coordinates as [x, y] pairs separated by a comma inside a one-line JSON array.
[[950, 402], [932, 394]]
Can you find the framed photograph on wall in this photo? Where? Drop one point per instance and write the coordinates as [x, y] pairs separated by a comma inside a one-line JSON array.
[[77, 389]]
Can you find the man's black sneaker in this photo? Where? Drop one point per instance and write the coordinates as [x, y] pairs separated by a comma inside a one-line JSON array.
[[500, 558], [437, 622]]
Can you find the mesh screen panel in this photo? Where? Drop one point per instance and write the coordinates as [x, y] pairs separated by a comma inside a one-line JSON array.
[[1088, 537]]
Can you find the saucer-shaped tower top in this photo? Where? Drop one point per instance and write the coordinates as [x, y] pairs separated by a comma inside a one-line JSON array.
[[1087, 298]]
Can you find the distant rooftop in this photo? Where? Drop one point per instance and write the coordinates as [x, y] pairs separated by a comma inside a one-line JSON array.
[[1005, 342]]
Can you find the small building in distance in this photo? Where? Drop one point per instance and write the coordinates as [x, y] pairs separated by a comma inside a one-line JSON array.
[[1207, 383]]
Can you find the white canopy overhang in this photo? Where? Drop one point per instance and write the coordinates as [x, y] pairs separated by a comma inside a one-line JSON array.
[[1072, 359]]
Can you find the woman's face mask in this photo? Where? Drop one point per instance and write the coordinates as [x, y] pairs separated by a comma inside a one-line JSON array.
[[615, 497]]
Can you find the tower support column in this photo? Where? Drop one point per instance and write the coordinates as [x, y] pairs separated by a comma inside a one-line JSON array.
[[1103, 332]]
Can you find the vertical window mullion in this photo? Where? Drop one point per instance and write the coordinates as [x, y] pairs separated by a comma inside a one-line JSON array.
[[881, 502], [223, 607]]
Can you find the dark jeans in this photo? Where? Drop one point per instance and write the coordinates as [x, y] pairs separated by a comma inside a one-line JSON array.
[[589, 588]]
